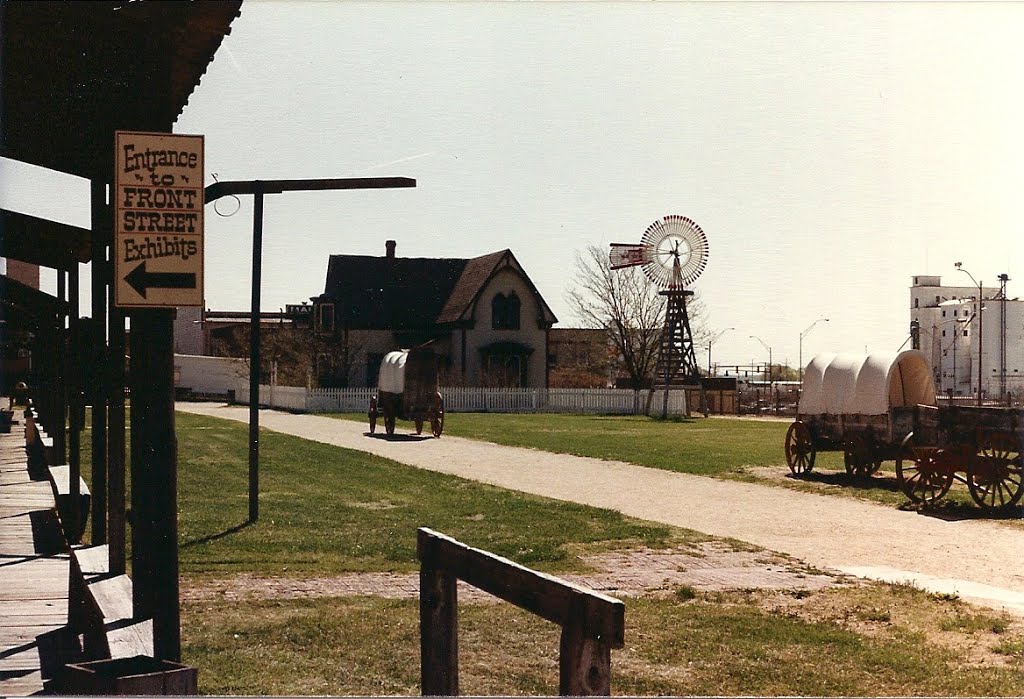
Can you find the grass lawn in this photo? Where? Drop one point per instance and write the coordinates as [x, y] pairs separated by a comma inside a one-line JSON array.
[[741, 449], [326, 510], [709, 447], [876, 640]]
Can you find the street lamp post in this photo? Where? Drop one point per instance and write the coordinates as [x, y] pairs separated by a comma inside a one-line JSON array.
[[804, 334], [711, 342], [981, 335], [769, 373]]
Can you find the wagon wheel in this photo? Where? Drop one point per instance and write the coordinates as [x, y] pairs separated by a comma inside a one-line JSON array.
[[920, 475], [800, 450], [437, 419], [860, 457], [372, 415], [389, 423], [996, 476], [419, 425]]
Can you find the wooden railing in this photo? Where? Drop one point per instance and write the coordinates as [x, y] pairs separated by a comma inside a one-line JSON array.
[[592, 623]]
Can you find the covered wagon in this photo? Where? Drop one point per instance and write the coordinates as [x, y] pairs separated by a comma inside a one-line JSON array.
[[882, 406], [407, 389]]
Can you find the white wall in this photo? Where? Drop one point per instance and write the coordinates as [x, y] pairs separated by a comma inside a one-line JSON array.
[[928, 298], [209, 375], [188, 331], [963, 350]]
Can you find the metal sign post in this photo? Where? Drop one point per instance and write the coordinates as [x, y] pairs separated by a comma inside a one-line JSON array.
[[259, 188]]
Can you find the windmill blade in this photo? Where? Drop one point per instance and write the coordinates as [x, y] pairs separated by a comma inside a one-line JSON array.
[[672, 252], [671, 240]]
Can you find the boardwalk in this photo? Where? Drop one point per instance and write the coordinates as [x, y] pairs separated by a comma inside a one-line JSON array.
[[33, 573]]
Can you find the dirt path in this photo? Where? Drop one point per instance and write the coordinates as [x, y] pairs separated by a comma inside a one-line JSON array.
[[709, 566], [976, 559]]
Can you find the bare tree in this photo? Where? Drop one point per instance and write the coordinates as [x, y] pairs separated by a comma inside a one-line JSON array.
[[626, 304]]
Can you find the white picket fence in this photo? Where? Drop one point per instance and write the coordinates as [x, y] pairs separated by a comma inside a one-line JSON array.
[[610, 401]]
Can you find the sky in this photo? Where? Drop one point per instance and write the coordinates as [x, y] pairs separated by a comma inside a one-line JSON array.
[[830, 151]]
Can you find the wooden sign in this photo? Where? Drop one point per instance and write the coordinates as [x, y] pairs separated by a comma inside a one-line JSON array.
[[158, 220]]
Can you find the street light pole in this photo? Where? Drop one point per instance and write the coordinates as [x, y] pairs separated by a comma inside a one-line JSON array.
[[712, 341], [769, 373], [804, 334], [981, 327]]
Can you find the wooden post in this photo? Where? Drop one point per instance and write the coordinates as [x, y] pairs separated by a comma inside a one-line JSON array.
[[592, 623], [439, 624], [73, 379], [154, 479], [56, 420], [584, 660], [116, 443], [101, 232]]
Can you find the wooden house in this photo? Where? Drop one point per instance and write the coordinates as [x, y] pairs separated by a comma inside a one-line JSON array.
[[483, 316]]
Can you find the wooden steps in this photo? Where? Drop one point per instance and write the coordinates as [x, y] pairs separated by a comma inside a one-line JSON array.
[[101, 608]]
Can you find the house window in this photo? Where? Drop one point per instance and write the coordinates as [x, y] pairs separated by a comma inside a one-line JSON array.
[[943, 333], [965, 333], [505, 311], [917, 303], [943, 314], [324, 367], [325, 318]]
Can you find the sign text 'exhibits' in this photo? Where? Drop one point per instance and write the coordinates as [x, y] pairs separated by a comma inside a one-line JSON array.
[[158, 220]]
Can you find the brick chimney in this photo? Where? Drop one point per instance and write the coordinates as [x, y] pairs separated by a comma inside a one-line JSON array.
[[389, 246]]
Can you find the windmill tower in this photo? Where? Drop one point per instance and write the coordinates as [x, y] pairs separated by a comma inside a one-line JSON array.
[[672, 253]]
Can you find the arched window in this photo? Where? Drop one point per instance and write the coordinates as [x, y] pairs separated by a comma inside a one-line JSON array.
[[512, 311], [505, 311], [498, 305]]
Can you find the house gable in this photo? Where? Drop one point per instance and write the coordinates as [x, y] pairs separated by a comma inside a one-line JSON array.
[[461, 307]]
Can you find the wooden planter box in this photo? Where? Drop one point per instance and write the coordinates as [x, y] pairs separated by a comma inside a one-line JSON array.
[[138, 675]]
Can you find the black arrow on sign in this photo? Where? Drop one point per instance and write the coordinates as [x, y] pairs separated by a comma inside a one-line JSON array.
[[141, 280]]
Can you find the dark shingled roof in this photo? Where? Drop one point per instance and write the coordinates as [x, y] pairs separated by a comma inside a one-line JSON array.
[[74, 72], [474, 275], [401, 293], [408, 293]]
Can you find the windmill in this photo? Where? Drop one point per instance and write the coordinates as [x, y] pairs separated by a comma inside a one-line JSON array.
[[672, 253]]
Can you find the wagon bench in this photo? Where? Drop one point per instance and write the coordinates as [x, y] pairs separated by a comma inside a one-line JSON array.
[[882, 407]]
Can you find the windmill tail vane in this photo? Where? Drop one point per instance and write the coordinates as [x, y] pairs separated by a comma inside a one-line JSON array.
[[627, 255]]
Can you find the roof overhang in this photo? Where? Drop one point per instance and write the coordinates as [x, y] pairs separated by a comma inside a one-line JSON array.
[[19, 299], [75, 72]]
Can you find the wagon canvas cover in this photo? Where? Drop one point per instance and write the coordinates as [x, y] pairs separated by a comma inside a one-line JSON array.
[[857, 384], [392, 372]]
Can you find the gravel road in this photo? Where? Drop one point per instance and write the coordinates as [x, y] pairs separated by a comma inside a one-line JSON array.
[[977, 559]]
